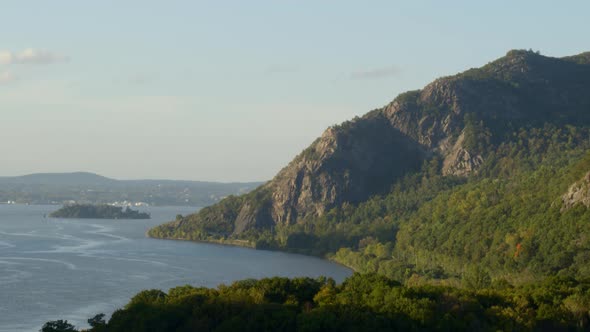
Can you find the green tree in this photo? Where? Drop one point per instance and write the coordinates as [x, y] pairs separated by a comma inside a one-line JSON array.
[[58, 326], [97, 321], [151, 296]]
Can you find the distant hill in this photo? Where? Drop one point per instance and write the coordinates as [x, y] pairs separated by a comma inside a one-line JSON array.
[[84, 187], [484, 168], [65, 179]]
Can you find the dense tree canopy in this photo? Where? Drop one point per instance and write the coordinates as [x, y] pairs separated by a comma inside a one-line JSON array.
[[367, 302], [98, 212]]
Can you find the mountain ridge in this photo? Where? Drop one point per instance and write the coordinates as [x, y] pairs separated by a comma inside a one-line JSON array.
[[498, 122], [428, 121]]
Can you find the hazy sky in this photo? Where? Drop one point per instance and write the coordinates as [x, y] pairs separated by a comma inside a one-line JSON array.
[[233, 90]]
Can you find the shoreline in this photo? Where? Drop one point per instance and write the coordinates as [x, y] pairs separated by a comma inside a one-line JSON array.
[[220, 243]]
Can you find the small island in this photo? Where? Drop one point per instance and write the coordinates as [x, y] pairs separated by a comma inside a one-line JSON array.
[[103, 211]]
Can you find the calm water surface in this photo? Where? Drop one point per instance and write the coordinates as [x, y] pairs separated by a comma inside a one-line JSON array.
[[74, 268]]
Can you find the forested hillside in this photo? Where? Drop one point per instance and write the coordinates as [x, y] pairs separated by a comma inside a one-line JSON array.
[[481, 171]]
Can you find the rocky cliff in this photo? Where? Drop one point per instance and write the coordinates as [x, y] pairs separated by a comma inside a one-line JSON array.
[[578, 193], [453, 118]]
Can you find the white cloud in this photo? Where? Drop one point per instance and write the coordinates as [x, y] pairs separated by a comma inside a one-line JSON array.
[[31, 56], [7, 77], [376, 73], [6, 58]]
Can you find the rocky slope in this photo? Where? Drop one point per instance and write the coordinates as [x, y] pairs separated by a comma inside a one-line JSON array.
[[453, 118], [578, 193]]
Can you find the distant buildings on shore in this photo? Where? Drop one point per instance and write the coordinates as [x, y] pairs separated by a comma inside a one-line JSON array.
[[126, 203]]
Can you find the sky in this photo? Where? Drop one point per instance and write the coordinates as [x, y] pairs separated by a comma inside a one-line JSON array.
[[233, 90]]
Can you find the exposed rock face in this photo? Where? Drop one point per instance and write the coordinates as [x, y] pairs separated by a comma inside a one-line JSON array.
[[347, 163], [578, 193], [251, 217], [459, 161], [364, 157]]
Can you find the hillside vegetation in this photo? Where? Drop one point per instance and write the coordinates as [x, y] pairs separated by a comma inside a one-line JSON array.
[[362, 303], [481, 171]]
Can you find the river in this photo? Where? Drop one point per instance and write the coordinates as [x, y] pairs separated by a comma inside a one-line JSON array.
[[75, 268]]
